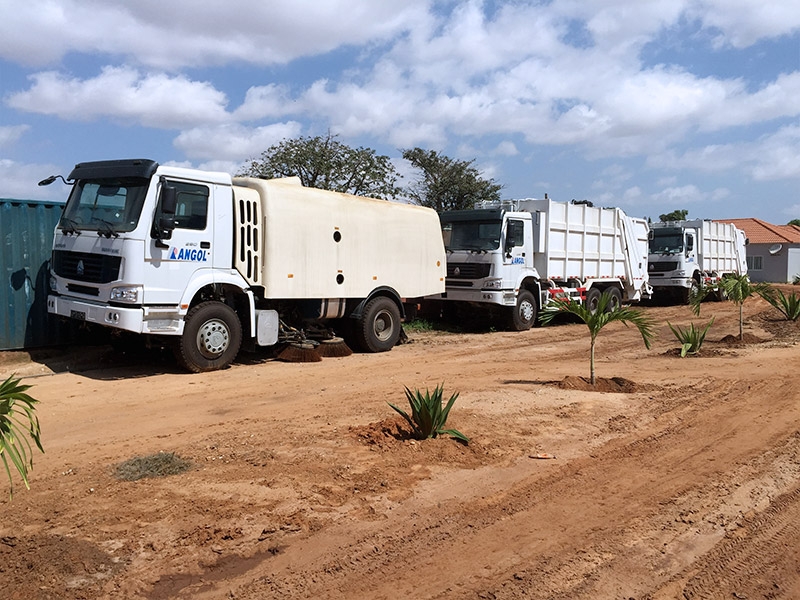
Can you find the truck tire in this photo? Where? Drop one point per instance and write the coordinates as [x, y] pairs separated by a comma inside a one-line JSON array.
[[615, 302], [379, 328], [688, 293], [211, 338], [593, 299], [523, 315]]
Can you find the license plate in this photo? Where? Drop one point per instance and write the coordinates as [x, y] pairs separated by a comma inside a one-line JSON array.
[[78, 314]]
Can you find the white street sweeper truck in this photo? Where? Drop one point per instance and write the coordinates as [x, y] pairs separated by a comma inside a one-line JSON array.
[[212, 263]]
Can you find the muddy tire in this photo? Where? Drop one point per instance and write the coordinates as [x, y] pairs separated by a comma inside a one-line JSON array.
[[211, 338], [523, 315], [379, 328]]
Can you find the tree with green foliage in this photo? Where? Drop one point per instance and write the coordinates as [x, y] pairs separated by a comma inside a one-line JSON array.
[[324, 162], [599, 318], [794, 222], [675, 215], [18, 422], [737, 288], [447, 183]]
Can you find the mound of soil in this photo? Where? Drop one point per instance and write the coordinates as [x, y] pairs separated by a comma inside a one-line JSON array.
[[734, 340], [617, 385]]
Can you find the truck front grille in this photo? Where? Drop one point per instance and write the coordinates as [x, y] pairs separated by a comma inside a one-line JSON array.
[[80, 266], [661, 267], [468, 270]]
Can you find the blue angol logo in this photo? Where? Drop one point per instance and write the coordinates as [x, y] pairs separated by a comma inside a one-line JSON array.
[[188, 254]]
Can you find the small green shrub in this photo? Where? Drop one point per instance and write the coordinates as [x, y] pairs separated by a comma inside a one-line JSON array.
[[691, 339], [789, 306], [418, 325], [428, 416], [17, 418], [153, 465]]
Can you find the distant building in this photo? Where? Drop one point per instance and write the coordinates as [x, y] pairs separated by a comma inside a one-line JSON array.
[[773, 253]]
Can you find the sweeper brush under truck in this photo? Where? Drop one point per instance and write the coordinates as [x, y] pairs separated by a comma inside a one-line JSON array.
[[212, 263]]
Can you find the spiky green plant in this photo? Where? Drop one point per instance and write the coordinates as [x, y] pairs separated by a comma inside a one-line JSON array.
[[18, 418], [598, 319], [788, 306], [428, 416], [691, 339]]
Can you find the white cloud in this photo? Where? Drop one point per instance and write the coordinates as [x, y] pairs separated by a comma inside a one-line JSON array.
[[19, 181], [11, 133], [742, 23], [182, 33], [122, 93], [771, 157], [233, 143]]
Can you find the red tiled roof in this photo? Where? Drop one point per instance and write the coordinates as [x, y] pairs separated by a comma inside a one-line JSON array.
[[761, 232]]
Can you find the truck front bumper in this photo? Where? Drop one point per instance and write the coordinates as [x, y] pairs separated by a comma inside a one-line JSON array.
[[671, 282], [155, 320], [499, 297]]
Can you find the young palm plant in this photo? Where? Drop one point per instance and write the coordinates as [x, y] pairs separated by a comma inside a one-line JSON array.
[[428, 416], [738, 288], [691, 339], [598, 319], [17, 418]]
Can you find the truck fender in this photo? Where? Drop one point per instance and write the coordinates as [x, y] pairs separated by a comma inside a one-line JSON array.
[[206, 278], [381, 291]]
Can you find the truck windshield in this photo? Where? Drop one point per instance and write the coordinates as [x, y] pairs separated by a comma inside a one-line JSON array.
[[107, 206], [666, 242], [471, 235]]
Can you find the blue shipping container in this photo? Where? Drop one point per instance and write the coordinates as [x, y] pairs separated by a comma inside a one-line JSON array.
[[26, 233]]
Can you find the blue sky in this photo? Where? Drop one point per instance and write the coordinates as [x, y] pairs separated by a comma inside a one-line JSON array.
[[648, 105]]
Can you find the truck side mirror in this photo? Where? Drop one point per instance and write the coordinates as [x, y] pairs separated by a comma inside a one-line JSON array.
[[510, 243], [165, 219], [689, 243]]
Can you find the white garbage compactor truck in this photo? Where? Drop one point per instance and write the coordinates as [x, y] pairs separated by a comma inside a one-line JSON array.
[[515, 256], [212, 261], [687, 254]]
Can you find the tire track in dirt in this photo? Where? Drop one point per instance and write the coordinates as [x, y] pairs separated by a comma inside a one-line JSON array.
[[758, 561], [596, 503]]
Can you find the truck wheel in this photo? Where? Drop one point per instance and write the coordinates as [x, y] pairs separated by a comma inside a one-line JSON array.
[[379, 327], [615, 300], [523, 315], [211, 338], [690, 292], [593, 299]]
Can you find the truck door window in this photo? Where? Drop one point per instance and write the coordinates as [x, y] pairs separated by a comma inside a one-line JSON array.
[[192, 206], [516, 232]]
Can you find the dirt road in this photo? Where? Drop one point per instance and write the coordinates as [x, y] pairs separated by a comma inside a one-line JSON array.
[[303, 484]]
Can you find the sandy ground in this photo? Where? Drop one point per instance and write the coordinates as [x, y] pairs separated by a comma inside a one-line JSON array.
[[304, 483]]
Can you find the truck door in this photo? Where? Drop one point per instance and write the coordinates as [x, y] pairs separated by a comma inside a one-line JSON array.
[[515, 258], [690, 252], [171, 264]]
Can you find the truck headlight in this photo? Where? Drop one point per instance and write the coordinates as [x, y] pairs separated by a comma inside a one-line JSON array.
[[679, 274], [53, 283], [492, 284], [130, 294]]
